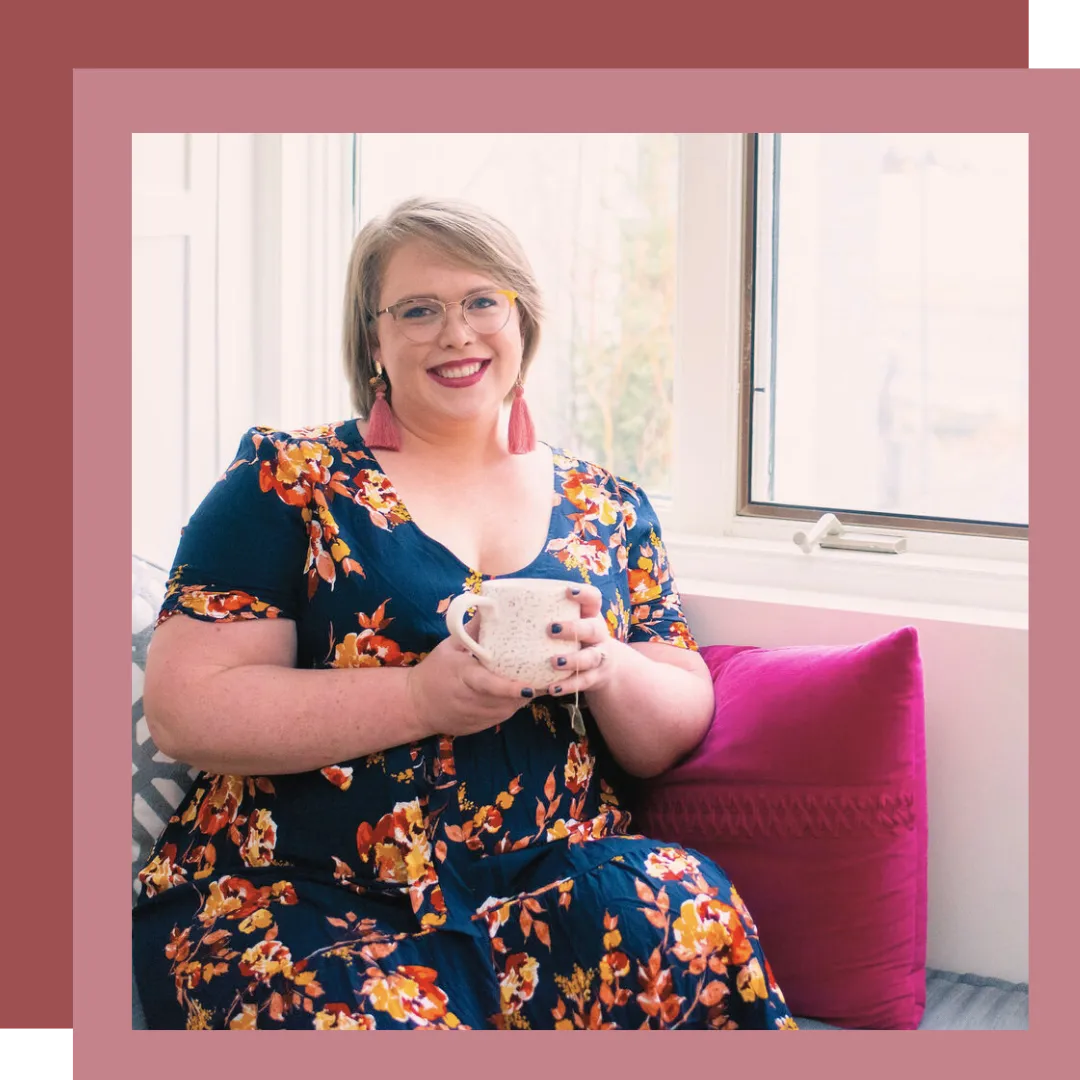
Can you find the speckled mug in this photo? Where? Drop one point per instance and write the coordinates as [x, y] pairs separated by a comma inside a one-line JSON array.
[[514, 615]]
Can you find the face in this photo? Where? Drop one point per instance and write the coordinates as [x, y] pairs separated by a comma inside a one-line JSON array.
[[428, 387]]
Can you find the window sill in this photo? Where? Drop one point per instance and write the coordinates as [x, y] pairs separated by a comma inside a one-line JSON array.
[[918, 586]]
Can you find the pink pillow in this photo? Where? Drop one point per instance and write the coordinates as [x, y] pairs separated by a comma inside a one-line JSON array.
[[809, 790]]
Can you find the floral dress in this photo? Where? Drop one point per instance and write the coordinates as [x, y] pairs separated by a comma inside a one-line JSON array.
[[482, 881]]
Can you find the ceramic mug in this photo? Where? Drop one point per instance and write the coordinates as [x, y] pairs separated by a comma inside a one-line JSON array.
[[514, 615]]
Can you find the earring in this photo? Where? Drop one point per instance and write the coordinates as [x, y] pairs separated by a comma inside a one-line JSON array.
[[383, 432], [521, 435]]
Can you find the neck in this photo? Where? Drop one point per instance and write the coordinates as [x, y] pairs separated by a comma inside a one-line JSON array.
[[464, 444]]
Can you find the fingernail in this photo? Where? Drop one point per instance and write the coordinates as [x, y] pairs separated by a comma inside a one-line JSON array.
[[561, 661], [526, 692], [556, 689], [556, 628], [574, 591]]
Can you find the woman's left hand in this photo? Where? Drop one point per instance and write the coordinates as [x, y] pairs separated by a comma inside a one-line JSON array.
[[593, 665]]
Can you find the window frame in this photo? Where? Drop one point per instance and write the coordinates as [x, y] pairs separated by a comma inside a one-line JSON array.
[[903, 524], [715, 547]]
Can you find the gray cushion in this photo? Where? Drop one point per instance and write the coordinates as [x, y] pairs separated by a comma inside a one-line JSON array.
[[157, 782], [962, 1003]]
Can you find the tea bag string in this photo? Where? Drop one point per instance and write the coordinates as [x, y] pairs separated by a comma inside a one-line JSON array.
[[577, 721]]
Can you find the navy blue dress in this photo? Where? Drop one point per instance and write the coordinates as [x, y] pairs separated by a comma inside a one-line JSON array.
[[480, 881]]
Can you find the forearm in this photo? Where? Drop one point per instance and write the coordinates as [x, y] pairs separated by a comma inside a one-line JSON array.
[[651, 712], [266, 719]]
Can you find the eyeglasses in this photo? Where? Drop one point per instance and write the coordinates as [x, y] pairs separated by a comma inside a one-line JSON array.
[[421, 318]]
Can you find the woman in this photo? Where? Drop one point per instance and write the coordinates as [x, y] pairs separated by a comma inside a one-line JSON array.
[[385, 834]]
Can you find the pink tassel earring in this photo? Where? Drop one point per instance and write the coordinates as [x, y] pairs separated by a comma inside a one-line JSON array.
[[383, 432], [521, 436]]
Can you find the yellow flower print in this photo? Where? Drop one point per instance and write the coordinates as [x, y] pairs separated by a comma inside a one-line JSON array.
[[299, 468], [410, 994], [750, 982], [517, 983], [266, 960], [258, 846], [246, 1019]]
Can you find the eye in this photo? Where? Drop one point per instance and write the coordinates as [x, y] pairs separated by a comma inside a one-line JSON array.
[[415, 309], [483, 301]]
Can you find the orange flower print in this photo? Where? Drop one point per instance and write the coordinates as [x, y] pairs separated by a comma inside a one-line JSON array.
[[161, 872], [495, 911], [258, 846], [370, 648], [246, 1019], [579, 767], [593, 502], [706, 928], [179, 947], [232, 898], [590, 556], [671, 864], [657, 996], [409, 994], [679, 634], [340, 1019], [517, 982], [401, 850], [224, 605], [299, 468], [339, 775], [643, 587], [629, 515], [377, 495], [221, 805], [266, 960]]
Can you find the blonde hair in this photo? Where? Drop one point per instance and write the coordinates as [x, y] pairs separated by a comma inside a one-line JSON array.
[[462, 232]]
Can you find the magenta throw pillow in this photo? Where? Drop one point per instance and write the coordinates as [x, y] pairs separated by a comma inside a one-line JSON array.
[[809, 790]]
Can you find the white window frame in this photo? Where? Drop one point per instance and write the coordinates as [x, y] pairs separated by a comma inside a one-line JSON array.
[[714, 549]]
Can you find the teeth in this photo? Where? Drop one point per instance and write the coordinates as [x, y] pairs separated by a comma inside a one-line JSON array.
[[458, 372]]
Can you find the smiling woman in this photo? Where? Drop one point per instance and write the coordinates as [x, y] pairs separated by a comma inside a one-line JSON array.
[[385, 833]]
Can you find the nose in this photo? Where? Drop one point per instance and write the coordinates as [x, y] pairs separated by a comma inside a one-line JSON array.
[[455, 331]]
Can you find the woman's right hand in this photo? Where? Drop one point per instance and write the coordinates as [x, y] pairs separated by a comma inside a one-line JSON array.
[[452, 693]]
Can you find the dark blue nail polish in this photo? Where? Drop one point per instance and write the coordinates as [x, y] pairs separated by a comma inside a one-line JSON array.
[[561, 661], [526, 692], [574, 591], [556, 689], [556, 628]]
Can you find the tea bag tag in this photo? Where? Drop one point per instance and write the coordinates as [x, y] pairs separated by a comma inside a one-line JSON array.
[[577, 721]]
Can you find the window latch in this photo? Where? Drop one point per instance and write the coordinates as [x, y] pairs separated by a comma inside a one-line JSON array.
[[829, 532]]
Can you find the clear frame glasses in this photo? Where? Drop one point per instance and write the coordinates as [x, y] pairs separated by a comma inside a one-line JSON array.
[[421, 318]]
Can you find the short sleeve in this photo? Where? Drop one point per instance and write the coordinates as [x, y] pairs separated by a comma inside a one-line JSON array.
[[655, 605], [242, 554]]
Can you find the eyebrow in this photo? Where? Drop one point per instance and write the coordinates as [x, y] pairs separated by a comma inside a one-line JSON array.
[[432, 296]]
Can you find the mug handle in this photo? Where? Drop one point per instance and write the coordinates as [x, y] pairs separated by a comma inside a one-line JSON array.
[[455, 622]]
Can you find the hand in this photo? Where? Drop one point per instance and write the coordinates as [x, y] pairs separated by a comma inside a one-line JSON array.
[[594, 665], [454, 694]]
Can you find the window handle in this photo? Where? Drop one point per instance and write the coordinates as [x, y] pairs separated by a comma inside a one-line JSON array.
[[828, 532]]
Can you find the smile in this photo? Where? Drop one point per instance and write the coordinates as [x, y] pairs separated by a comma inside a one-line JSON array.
[[460, 373]]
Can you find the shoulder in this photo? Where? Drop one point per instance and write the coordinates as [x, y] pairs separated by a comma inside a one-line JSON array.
[[569, 466]]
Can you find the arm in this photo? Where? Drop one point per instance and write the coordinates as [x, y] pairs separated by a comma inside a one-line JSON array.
[[655, 706], [226, 698]]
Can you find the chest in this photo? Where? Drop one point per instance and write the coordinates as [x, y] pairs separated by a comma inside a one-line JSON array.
[[496, 522]]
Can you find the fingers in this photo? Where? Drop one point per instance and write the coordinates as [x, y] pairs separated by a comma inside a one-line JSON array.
[[591, 631], [577, 660], [482, 681], [589, 597]]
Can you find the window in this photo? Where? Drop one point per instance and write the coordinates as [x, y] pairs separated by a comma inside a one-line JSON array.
[[598, 218], [887, 352]]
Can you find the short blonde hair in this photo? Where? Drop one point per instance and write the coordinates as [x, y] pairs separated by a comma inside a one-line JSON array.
[[458, 230]]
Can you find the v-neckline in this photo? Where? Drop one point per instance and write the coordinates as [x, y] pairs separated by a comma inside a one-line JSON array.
[[556, 502]]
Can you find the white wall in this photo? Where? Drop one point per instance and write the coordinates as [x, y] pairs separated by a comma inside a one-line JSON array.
[[976, 679]]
